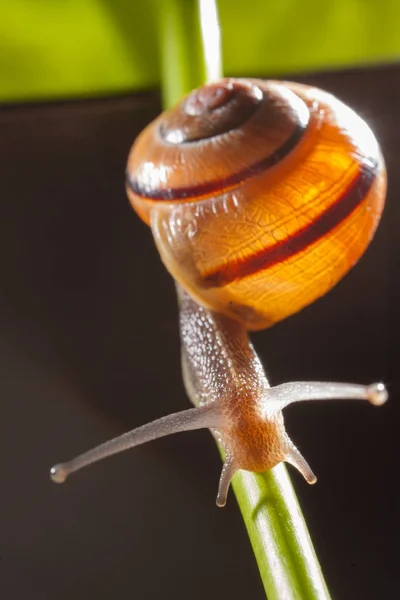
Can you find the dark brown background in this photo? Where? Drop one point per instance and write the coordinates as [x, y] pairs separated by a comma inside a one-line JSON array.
[[89, 347]]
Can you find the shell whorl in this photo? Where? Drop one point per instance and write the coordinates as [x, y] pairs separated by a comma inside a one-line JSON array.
[[220, 136]]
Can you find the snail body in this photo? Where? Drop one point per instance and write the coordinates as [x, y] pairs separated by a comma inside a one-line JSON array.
[[260, 196]]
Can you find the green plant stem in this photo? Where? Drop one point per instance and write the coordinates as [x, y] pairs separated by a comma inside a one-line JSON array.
[[281, 543], [184, 48], [279, 536]]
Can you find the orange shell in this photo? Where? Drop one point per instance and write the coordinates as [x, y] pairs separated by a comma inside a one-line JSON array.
[[260, 220]]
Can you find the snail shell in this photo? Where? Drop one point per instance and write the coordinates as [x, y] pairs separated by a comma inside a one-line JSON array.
[[261, 195]]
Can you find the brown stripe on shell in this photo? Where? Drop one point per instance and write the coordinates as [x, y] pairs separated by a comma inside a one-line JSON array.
[[335, 214], [219, 186]]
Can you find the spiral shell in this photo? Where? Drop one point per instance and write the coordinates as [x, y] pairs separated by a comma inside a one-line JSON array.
[[261, 195]]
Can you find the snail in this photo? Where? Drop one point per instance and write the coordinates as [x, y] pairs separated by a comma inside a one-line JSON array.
[[261, 196]]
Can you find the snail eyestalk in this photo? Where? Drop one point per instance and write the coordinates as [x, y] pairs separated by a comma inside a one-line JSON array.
[[204, 417], [297, 391]]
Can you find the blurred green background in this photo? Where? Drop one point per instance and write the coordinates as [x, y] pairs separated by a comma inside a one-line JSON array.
[[71, 48]]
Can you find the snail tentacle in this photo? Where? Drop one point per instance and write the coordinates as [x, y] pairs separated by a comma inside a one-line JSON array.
[[228, 470], [204, 417]]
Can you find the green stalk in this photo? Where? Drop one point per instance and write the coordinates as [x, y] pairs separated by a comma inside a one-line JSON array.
[[184, 47], [289, 569]]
